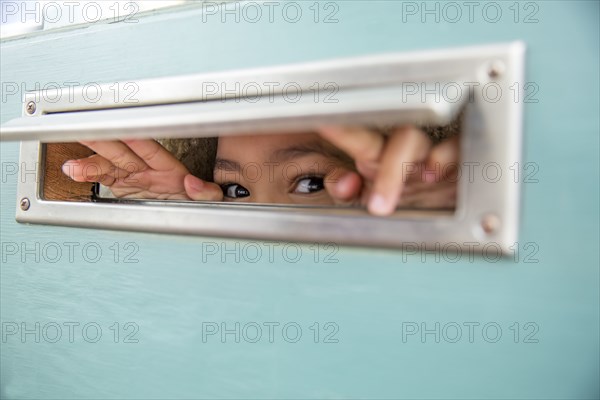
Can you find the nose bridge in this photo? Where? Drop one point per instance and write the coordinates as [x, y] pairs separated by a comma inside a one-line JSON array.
[[267, 190], [268, 195]]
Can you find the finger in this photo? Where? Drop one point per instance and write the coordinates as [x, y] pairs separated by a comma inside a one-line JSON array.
[[106, 180], [91, 168], [97, 169], [345, 188], [442, 161], [119, 154], [200, 190], [406, 146], [363, 145], [367, 169], [154, 155]]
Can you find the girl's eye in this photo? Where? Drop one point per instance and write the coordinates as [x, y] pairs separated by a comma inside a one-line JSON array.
[[309, 184], [235, 191]]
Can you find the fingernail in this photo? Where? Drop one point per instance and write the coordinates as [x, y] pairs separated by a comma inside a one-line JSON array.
[[67, 167], [196, 183], [379, 205]]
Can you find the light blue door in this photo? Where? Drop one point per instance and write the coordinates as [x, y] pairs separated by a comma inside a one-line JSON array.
[[101, 314]]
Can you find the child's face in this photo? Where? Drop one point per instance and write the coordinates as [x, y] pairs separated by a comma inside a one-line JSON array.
[[284, 168]]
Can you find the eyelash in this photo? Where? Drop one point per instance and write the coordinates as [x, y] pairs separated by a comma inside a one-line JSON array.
[[225, 187]]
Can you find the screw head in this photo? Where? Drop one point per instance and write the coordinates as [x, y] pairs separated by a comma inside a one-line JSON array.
[[25, 204], [495, 69], [490, 224], [30, 107]]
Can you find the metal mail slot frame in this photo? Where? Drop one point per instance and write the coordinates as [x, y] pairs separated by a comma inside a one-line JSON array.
[[368, 90]]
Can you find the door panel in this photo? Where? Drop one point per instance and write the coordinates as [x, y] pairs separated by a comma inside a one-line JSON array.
[[362, 312]]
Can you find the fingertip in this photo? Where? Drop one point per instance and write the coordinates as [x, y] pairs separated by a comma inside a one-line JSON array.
[[380, 205], [348, 186], [199, 190], [68, 168], [193, 183]]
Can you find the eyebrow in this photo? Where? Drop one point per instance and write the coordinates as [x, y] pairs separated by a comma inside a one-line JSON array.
[[227, 165], [313, 147], [290, 153]]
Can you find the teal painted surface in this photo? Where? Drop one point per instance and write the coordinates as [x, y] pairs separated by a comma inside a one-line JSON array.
[[370, 295]]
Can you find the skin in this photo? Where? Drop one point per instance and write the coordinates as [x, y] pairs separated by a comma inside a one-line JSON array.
[[354, 166], [279, 168]]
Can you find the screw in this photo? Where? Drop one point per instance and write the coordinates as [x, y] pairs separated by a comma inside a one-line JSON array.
[[495, 69], [30, 107], [490, 223], [25, 203]]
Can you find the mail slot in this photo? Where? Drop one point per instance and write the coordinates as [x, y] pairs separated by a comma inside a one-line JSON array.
[[431, 88]]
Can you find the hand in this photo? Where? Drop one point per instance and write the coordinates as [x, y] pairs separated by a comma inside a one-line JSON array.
[[140, 169], [404, 170]]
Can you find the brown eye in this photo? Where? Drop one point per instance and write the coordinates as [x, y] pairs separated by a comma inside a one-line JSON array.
[[235, 191], [309, 184]]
